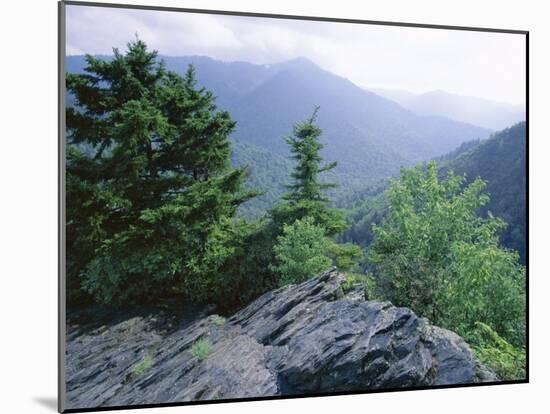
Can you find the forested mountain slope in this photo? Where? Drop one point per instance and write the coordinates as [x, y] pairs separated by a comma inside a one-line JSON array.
[[371, 137], [499, 160]]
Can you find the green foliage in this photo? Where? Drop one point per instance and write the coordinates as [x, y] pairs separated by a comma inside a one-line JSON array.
[[300, 252], [145, 364], [306, 196], [344, 256], [331, 219], [485, 283], [507, 361], [367, 282], [201, 349], [218, 320], [434, 254], [303, 251], [151, 196], [247, 274], [501, 161]]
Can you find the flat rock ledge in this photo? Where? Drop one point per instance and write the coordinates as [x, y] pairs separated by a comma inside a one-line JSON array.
[[303, 339]]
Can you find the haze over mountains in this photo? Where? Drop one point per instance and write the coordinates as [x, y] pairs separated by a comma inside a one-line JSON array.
[[369, 135], [477, 111], [360, 128]]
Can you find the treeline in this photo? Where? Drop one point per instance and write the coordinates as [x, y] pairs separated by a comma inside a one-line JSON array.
[[152, 213]]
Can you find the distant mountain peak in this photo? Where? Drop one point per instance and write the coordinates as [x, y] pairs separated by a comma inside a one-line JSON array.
[[299, 62]]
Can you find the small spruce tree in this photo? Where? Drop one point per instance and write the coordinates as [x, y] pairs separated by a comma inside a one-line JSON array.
[[306, 196], [303, 222]]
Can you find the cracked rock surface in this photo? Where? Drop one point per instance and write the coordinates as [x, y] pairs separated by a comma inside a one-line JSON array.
[[302, 339]]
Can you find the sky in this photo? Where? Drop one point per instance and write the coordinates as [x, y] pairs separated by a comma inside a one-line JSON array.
[[418, 60]]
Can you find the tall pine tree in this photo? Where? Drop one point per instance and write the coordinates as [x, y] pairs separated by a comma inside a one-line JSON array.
[[306, 196], [151, 196]]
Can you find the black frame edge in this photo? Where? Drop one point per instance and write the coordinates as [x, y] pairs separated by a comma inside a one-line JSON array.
[[289, 397], [292, 17], [527, 251], [61, 329]]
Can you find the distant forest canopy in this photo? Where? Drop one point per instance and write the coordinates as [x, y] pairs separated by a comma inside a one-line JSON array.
[[371, 137]]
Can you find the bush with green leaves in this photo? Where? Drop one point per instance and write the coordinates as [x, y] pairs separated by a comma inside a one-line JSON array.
[[485, 283], [366, 282], [345, 256], [435, 254], [300, 252], [247, 274], [508, 362]]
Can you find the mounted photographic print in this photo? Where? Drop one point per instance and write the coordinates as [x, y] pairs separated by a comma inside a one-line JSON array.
[[266, 206]]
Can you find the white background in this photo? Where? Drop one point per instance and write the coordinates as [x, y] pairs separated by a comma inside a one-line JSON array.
[[28, 204]]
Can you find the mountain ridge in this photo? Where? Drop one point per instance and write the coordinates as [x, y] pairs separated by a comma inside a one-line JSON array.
[[484, 112], [369, 136]]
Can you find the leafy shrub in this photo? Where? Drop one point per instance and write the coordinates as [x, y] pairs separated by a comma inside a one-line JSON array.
[[345, 256], [485, 283], [435, 254], [507, 361], [201, 349], [300, 252], [367, 282], [247, 274]]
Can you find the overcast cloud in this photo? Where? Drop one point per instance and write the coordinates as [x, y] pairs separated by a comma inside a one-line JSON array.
[[487, 65]]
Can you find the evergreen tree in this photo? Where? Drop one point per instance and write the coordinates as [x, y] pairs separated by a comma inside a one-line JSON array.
[[306, 196], [305, 147], [151, 196]]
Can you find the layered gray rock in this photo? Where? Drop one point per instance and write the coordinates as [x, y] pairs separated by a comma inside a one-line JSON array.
[[310, 338]]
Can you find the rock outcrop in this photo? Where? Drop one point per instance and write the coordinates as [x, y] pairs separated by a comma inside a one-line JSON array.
[[301, 339]]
